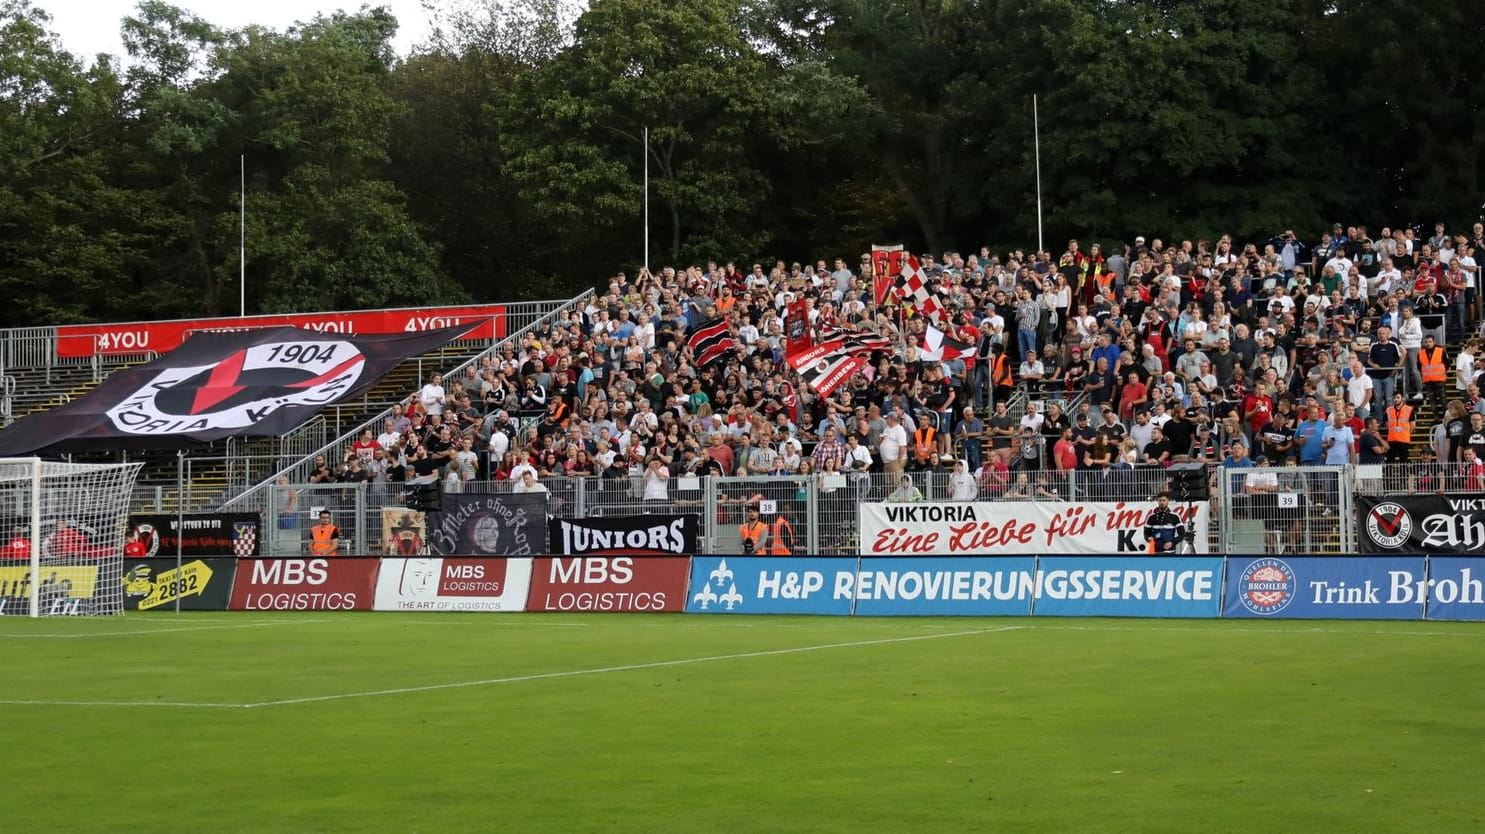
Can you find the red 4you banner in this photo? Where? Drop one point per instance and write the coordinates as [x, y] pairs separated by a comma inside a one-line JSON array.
[[1015, 527], [80, 340]]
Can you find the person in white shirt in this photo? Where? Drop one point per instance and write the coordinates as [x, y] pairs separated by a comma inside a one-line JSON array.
[[389, 436], [1359, 390], [656, 479], [432, 395], [962, 486], [528, 483], [1410, 339], [1033, 418], [1464, 367], [523, 468], [892, 448]]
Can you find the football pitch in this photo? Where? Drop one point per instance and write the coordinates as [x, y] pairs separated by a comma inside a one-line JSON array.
[[659, 723]]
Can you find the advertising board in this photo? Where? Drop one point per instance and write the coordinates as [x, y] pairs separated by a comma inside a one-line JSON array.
[[782, 585], [1021, 528], [453, 584], [972, 587], [1155, 586], [608, 583], [339, 584], [1363, 588]]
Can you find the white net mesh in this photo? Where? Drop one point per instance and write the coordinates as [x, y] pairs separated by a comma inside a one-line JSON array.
[[64, 528]]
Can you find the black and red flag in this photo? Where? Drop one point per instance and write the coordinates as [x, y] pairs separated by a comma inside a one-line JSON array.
[[709, 341], [254, 383]]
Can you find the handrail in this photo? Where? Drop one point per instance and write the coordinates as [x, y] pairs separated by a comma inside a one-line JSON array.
[[375, 421]]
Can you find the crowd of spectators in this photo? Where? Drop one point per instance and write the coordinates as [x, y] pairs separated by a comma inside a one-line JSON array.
[[1139, 355]]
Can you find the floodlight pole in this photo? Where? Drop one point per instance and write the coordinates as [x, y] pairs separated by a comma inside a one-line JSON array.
[[646, 262], [1037, 144], [242, 236]]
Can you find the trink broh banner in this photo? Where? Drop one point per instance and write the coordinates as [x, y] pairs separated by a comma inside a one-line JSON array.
[[1366, 588], [1015, 527], [473, 524], [1456, 588], [1433, 524], [634, 535]]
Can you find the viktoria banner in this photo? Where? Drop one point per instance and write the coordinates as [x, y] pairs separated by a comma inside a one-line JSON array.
[[1433, 524], [634, 535], [199, 534], [1015, 527], [489, 525]]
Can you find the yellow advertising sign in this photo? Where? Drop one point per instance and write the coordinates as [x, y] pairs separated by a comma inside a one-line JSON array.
[[71, 581], [190, 580]]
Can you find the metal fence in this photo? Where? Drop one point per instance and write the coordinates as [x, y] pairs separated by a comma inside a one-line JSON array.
[[529, 317], [1292, 509]]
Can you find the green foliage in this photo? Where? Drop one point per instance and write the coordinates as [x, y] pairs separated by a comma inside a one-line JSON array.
[[505, 158]]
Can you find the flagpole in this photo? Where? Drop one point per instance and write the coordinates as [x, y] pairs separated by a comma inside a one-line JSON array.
[[242, 237], [1037, 140], [647, 196]]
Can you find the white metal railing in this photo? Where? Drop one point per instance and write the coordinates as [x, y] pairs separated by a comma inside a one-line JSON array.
[[254, 496]]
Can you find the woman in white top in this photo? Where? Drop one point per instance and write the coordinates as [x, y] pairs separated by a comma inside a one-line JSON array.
[[432, 395], [962, 486]]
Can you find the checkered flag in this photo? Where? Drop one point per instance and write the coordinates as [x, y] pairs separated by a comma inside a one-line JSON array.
[[914, 287], [244, 539]]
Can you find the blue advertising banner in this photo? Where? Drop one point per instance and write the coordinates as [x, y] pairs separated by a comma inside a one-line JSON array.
[[974, 587], [1149, 586], [1456, 588], [1363, 588], [763, 585]]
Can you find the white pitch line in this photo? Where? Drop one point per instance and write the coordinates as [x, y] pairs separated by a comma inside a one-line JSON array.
[[19, 703], [633, 667], [126, 632]]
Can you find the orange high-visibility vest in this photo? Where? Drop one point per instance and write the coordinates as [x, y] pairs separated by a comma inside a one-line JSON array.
[[1000, 371], [322, 539], [776, 546], [924, 444], [1400, 424], [753, 532], [1431, 363]]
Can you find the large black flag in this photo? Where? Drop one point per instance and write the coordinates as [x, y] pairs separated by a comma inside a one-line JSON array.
[[256, 383]]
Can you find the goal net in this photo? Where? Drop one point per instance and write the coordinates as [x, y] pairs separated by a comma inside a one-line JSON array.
[[63, 536]]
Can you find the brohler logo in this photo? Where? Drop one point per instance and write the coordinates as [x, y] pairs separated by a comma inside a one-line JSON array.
[[1389, 525], [241, 389], [1267, 586]]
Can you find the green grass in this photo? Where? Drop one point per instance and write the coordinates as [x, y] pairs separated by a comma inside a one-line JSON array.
[[1060, 725]]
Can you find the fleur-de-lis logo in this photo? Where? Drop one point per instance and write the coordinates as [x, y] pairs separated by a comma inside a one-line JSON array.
[[706, 596], [731, 598], [722, 574]]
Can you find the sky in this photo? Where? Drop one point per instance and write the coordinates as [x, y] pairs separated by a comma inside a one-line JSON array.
[[87, 27]]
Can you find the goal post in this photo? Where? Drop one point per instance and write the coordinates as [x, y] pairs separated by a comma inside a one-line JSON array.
[[64, 537]]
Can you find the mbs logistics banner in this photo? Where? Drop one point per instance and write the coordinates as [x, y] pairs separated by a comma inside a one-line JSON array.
[[615, 583], [341, 584], [1015, 527], [453, 584], [200, 584]]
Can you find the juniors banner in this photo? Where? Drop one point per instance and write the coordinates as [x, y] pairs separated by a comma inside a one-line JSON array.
[[199, 534], [199, 584], [340, 584], [636, 535], [1433, 524], [618, 583], [453, 584], [1366, 588], [1015, 527], [489, 525]]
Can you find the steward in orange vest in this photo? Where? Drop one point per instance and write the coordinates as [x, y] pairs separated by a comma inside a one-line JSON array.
[[324, 538], [779, 535], [752, 532], [1399, 429], [925, 446]]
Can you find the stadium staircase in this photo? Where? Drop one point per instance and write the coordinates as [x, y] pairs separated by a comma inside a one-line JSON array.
[[345, 424]]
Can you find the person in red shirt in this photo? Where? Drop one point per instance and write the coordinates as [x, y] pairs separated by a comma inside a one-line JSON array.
[[70, 541], [19, 546], [1065, 452], [1258, 408]]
